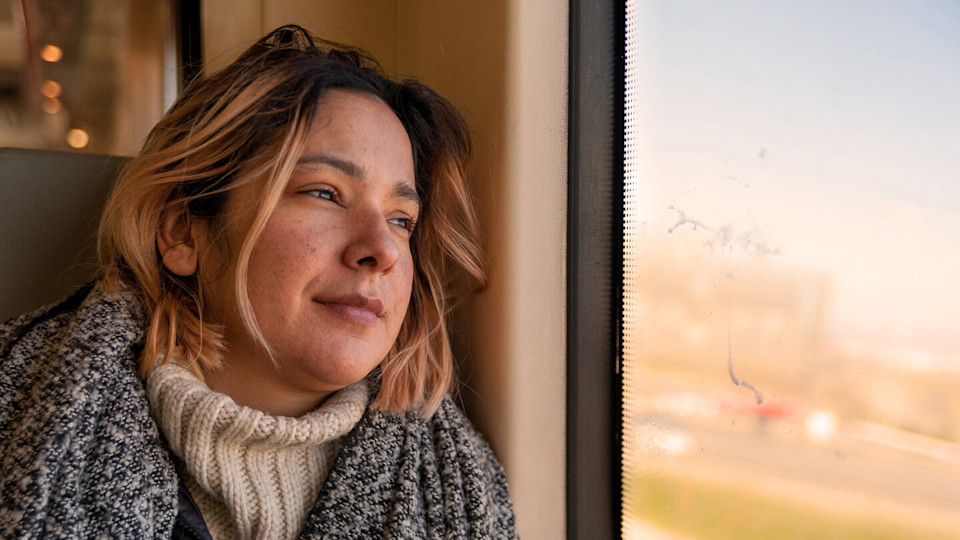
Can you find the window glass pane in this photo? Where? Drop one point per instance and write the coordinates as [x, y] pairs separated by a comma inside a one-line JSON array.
[[792, 300], [87, 75]]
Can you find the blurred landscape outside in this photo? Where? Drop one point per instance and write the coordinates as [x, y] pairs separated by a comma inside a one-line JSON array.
[[792, 300]]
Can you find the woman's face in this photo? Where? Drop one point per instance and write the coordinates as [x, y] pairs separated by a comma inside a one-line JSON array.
[[330, 276]]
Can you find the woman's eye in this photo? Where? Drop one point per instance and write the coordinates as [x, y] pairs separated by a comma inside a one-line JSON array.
[[405, 222], [325, 193]]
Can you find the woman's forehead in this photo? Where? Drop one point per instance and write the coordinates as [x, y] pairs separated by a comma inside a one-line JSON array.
[[359, 134]]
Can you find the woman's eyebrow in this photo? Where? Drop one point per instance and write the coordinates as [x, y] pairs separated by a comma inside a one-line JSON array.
[[345, 166], [402, 189], [406, 191]]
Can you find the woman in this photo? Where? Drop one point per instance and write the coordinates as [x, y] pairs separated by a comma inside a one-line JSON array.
[[265, 355]]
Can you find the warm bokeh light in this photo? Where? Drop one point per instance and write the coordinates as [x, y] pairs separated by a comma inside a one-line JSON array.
[[51, 89], [78, 138], [111, 74], [50, 105], [51, 53]]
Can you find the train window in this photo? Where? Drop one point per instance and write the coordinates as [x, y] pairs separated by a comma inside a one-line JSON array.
[[87, 75], [791, 333]]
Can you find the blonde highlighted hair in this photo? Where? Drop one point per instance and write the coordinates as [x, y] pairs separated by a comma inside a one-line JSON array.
[[248, 123]]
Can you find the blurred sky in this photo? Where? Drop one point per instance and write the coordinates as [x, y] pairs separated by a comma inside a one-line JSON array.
[[831, 130]]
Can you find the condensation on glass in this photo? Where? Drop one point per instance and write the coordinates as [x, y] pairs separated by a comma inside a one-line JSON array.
[[84, 75], [792, 270]]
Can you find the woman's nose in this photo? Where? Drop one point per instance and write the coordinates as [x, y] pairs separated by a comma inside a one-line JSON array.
[[372, 245]]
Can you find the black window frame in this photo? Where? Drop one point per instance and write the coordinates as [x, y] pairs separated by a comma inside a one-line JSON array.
[[594, 267], [187, 16]]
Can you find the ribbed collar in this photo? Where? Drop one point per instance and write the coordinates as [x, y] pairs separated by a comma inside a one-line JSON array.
[[259, 474]]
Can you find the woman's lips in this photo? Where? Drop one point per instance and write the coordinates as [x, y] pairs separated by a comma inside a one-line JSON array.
[[355, 307]]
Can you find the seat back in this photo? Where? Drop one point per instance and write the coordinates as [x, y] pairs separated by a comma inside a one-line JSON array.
[[50, 205]]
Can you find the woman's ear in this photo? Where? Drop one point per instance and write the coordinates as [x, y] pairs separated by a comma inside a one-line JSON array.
[[176, 242]]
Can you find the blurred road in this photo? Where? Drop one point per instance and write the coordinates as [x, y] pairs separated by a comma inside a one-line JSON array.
[[846, 474]]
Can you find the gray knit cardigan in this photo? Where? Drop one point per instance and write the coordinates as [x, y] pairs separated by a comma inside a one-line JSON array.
[[81, 457]]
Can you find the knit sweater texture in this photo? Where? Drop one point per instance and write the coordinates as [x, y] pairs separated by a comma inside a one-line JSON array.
[[81, 456], [253, 475]]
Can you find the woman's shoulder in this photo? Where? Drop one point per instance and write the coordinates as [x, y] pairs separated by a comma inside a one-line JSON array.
[[450, 423], [91, 334], [447, 434], [436, 476], [73, 414], [459, 445], [54, 315], [89, 307]]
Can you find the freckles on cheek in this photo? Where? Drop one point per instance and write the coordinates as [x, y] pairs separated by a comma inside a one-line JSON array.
[[291, 251], [406, 269], [287, 255]]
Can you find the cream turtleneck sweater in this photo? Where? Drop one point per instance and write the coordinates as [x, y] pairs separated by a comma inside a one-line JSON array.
[[253, 475]]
